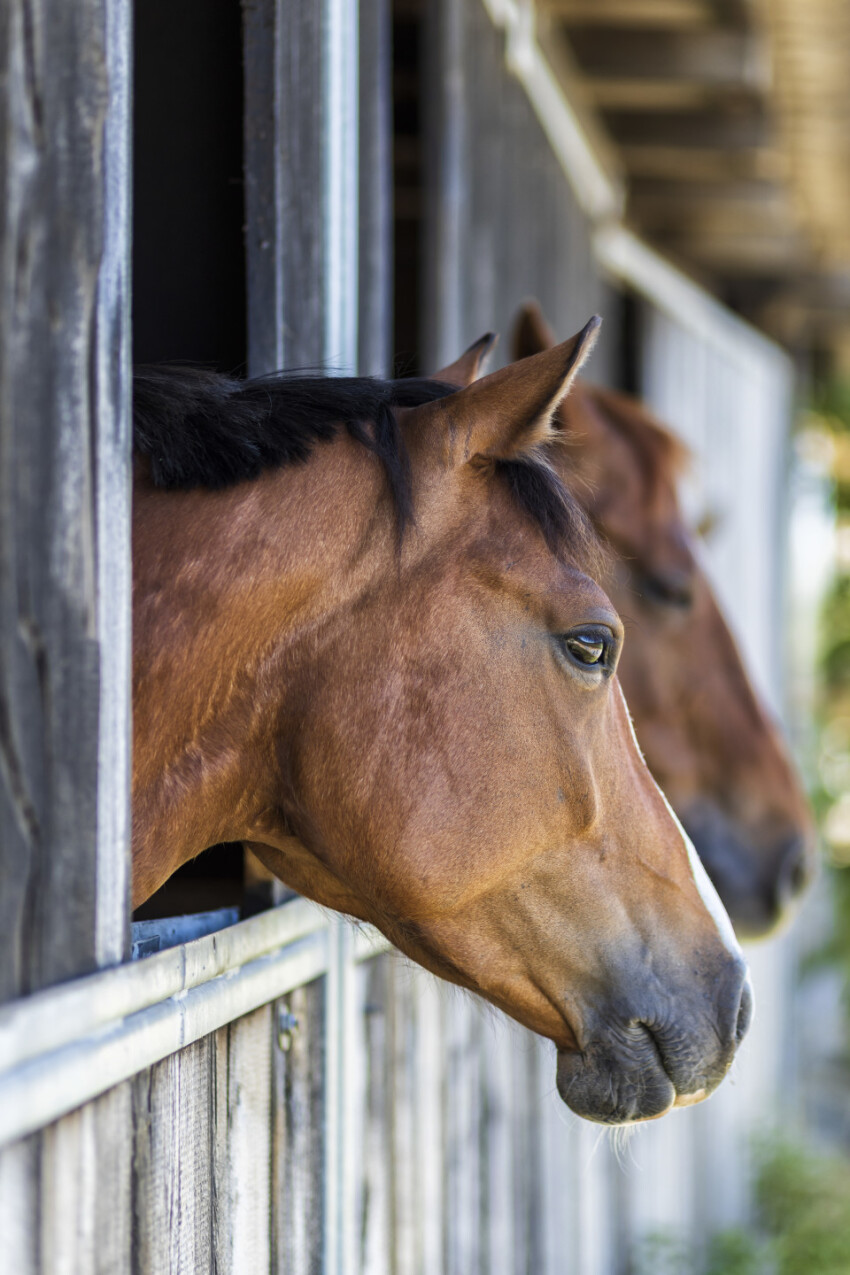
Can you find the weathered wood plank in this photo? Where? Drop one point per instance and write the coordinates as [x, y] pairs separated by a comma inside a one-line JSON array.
[[284, 159], [173, 1163], [374, 1127], [418, 1146], [19, 1187], [479, 125], [64, 592], [463, 1203], [242, 1137], [298, 1132], [85, 1210], [374, 353], [58, 1016]]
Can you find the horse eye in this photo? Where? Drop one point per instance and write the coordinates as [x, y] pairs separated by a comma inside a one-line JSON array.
[[588, 648], [673, 590]]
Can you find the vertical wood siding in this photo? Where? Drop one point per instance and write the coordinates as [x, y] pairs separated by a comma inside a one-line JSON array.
[[501, 222], [64, 585]]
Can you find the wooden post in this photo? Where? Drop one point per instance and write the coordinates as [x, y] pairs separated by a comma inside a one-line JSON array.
[[64, 490], [375, 319], [64, 583]]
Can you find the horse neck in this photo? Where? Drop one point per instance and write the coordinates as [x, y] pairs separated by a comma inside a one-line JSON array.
[[226, 585]]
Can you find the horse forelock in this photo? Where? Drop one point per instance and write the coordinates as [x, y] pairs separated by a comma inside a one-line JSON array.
[[201, 429]]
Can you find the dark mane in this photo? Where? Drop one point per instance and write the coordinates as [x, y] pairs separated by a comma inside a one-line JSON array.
[[200, 429]]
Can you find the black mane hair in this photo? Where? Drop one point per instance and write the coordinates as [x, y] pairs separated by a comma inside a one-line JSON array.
[[200, 429]]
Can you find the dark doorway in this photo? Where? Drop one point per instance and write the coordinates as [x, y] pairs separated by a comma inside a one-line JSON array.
[[188, 249]]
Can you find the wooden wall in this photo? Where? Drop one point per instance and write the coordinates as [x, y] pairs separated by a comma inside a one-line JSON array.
[[64, 582], [500, 220]]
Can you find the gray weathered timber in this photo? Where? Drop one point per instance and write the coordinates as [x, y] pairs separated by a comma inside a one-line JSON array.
[[501, 223], [64, 587], [85, 1214], [174, 1162], [374, 352], [374, 1122], [284, 179], [64, 583], [242, 1128], [298, 1137]]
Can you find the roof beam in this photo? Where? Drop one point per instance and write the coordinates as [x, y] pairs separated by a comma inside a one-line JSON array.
[[717, 165], [742, 125], [669, 204], [688, 14], [713, 58]]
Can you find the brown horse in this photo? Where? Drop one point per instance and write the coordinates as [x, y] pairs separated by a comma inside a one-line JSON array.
[[706, 737], [355, 603]]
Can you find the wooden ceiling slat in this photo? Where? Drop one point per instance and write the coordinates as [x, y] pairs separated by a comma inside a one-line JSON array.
[[650, 13]]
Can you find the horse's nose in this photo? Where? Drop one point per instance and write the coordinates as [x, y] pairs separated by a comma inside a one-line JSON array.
[[672, 1051], [745, 1011], [794, 871]]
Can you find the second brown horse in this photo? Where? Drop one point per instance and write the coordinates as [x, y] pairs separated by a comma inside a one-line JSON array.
[[707, 738]]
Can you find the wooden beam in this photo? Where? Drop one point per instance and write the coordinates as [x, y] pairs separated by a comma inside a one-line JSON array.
[[741, 252], [64, 490], [709, 209], [687, 14], [676, 196], [728, 126], [717, 58], [627, 93], [685, 164]]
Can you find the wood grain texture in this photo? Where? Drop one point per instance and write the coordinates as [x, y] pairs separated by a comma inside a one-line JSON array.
[[298, 1131], [85, 1210], [464, 1202], [501, 222], [284, 181], [242, 1134], [373, 1130], [375, 163], [19, 1182], [173, 1164], [63, 463]]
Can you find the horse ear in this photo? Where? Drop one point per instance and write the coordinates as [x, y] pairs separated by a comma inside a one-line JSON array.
[[471, 363], [532, 333], [509, 413]]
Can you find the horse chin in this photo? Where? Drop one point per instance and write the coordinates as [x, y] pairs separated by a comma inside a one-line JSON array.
[[599, 1088]]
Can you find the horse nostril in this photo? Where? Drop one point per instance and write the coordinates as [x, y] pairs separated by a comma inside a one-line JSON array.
[[793, 873], [745, 1012]]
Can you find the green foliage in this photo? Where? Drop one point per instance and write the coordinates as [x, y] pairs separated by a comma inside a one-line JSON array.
[[737, 1252], [832, 402], [662, 1253], [802, 1224], [803, 1204], [835, 627]]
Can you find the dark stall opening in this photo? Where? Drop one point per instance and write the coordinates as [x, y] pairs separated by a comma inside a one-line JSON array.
[[188, 247], [189, 263], [408, 52]]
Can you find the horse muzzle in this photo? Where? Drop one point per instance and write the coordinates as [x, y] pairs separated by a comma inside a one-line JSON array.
[[638, 1067], [758, 883]]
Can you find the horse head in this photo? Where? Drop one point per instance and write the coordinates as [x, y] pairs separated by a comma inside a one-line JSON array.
[[426, 730]]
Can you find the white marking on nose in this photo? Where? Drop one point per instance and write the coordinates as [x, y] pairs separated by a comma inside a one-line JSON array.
[[707, 892]]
